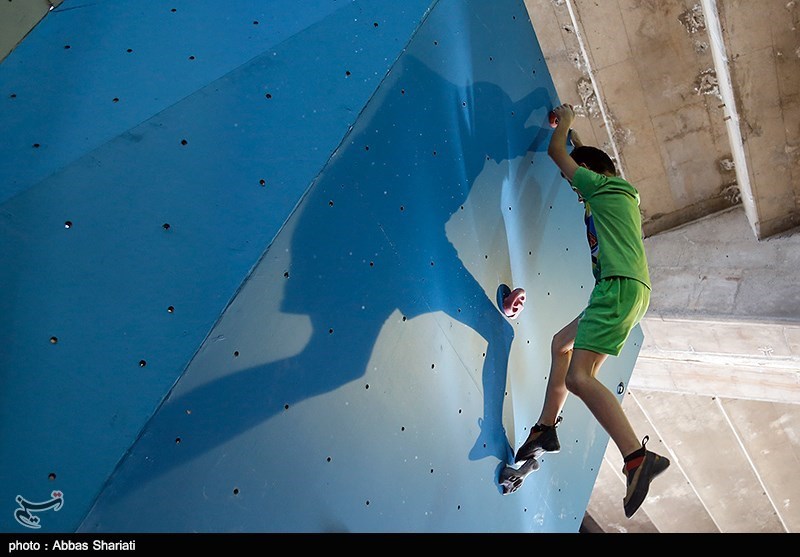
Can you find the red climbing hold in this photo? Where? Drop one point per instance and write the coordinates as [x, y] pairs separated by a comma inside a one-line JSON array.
[[514, 302], [553, 120]]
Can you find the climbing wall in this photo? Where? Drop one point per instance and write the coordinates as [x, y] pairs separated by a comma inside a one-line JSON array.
[[253, 257]]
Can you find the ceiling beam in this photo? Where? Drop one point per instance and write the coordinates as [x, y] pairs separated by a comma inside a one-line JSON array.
[[729, 379], [730, 359]]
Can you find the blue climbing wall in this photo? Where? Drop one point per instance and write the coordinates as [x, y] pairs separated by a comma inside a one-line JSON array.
[[252, 255]]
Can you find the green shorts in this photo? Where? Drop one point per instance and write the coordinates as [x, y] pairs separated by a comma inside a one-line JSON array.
[[616, 306]]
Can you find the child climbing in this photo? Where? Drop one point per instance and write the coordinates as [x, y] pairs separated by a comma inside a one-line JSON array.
[[619, 300]]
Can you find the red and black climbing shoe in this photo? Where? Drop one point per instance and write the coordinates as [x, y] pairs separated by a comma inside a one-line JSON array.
[[641, 468]]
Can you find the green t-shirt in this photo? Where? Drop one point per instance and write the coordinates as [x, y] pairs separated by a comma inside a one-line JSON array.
[[613, 205]]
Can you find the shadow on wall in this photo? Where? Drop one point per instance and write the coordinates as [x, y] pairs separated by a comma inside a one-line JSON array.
[[368, 240]]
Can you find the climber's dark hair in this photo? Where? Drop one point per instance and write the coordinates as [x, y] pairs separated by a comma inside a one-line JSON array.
[[595, 159]]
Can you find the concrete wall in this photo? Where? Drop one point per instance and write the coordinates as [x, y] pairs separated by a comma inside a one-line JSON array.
[[724, 316], [18, 18], [255, 288]]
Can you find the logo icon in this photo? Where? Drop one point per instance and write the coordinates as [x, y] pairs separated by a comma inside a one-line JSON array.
[[24, 515]]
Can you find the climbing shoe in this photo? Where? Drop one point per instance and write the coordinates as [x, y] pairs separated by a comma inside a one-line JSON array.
[[542, 439], [641, 468]]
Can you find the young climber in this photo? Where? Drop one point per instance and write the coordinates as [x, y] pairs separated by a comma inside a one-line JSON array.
[[618, 302]]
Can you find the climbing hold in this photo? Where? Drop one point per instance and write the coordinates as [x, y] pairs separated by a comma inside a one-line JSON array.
[[514, 302]]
